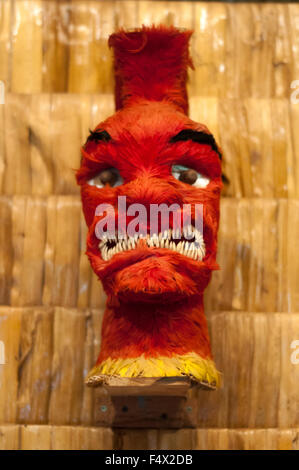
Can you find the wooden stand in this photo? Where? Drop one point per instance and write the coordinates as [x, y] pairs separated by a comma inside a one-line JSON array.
[[167, 402]]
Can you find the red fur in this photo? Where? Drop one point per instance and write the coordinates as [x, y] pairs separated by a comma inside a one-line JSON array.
[[160, 70], [155, 295]]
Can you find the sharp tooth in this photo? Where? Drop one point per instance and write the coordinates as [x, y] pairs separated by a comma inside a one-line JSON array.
[[169, 233], [172, 245], [150, 242], [162, 243], [133, 243], [166, 244], [160, 236], [179, 247]]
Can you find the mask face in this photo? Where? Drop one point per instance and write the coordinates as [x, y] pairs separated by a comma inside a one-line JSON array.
[[150, 169], [152, 155]]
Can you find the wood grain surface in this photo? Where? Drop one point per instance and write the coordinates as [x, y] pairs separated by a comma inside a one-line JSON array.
[[56, 68]]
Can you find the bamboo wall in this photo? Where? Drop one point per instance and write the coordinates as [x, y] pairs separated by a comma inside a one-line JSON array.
[[56, 67]]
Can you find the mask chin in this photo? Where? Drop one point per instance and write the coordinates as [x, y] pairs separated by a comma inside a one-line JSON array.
[[151, 280]]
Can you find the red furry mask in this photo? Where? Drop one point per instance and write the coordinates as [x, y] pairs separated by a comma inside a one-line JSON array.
[[152, 153]]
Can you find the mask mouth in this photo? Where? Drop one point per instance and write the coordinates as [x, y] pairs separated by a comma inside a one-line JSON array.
[[189, 243]]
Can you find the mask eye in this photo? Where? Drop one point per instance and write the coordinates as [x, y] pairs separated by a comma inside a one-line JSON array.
[[189, 176], [109, 176]]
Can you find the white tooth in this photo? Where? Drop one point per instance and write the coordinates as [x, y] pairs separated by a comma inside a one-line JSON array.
[[162, 243], [150, 242], [179, 247], [172, 245], [165, 234], [169, 233], [160, 236], [166, 244], [133, 243]]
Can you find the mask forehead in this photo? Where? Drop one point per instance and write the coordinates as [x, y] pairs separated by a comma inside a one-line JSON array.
[[142, 135]]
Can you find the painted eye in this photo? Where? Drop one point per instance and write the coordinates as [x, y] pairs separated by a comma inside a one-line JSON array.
[[189, 176], [109, 176]]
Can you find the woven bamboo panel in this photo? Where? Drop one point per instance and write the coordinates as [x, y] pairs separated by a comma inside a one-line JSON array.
[[43, 257], [36, 437], [41, 135], [56, 67], [49, 352], [240, 50]]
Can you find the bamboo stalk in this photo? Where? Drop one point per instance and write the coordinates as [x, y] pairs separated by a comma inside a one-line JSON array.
[[91, 351], [293, 155], [5, 42], [17, 179], [40, 140], [6, 250], [282, 59], [62, 252], [66, 141], [55, 16], [27, 53], [90, 63], [126, 14], [34, 381], [67, 366], [10, 321], [9, 437], [292, 258], [29, 237]]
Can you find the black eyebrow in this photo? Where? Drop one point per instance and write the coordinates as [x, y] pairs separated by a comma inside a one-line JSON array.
[[196, 136], [98, 135]]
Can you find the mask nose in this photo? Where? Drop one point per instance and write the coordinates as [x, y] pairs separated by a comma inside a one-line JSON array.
[[147, 190]]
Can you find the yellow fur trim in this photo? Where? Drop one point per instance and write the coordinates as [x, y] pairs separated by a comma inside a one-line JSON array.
[[191, 365]]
